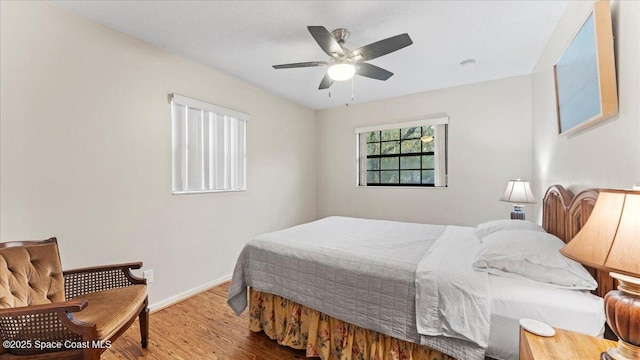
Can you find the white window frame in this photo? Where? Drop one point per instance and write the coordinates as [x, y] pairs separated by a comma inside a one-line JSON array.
[[441, 148], [215, 137]]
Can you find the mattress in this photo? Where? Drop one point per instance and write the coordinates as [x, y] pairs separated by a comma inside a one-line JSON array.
[[512, 300]]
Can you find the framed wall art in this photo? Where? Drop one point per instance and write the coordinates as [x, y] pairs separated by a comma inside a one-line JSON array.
[[585, 74]]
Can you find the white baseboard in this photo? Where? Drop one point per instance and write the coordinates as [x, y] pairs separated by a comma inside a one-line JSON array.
[[157, 306]]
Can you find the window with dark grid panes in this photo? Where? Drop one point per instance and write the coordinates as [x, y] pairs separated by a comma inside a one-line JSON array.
[[400, 157]]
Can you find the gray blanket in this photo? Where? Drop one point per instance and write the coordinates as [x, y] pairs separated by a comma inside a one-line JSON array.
[[356, 270]]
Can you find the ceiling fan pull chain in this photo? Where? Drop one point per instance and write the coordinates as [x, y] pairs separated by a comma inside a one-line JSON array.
[[352, 88]]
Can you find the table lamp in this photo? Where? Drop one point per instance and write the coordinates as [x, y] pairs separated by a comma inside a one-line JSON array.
[[518, 192], [610, 241]]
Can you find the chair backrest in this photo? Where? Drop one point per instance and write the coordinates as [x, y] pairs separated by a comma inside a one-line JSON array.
[[30, 273]]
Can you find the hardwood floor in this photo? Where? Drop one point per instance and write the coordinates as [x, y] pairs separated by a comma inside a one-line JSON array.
[[202, 327]]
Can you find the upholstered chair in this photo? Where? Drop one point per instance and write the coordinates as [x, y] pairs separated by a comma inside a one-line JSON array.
[[47, 313]]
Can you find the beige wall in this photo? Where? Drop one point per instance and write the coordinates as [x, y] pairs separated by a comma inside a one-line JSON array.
[[604, 155], [85, 147], [86, 152], [489, 143]]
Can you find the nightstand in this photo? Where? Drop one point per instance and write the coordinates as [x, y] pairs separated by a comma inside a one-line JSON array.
[[563, 345]]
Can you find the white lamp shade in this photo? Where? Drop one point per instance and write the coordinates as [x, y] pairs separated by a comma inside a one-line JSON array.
[[518, 191], [341, 71]]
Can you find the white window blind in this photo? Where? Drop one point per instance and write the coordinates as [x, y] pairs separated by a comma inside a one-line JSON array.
[[209, 147]]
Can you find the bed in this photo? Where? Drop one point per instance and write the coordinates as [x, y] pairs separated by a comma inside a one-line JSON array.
[[363, 289]]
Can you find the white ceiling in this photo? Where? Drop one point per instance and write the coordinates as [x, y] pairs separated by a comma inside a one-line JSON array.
[[245, 38]]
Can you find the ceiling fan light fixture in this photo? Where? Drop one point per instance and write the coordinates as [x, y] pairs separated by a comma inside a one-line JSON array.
[[343, 63], [341, 71]]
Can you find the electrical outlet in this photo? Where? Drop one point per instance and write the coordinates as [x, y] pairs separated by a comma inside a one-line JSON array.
[[148, 274]]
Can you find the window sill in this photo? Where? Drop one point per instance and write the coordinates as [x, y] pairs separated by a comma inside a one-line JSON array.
[[401, 187], [190, 192]]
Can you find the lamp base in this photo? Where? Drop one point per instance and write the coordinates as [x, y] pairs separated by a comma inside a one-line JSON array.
[[517, 213], [622, 309], [624, 351]]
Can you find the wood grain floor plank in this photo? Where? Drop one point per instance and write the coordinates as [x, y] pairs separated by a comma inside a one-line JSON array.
[[201, 327]]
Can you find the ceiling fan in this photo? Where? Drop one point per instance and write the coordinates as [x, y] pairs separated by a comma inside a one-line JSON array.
[[343, 63]]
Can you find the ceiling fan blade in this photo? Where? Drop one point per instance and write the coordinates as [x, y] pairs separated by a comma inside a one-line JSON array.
[[374, 72], [299, 65], [325, 83], [381, 47], [326, 41]]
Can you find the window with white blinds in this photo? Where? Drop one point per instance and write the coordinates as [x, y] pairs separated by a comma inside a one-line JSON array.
[[209, 147]]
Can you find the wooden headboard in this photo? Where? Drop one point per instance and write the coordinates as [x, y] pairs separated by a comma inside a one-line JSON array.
[[564, 215]]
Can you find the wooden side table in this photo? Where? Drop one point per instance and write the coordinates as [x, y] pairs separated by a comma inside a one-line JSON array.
[[563, 345]]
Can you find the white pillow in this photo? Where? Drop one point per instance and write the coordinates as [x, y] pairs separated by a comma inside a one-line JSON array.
[[531, 255], [490, 227]]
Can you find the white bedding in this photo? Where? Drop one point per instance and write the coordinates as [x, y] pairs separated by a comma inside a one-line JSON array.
[[367, 272], [452, 299], [513, 299]]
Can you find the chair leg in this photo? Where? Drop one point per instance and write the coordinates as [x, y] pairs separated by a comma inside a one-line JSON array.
[[91, 353], [144, 324]]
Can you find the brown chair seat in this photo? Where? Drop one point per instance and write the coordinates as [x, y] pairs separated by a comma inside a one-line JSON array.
[[111, 309]]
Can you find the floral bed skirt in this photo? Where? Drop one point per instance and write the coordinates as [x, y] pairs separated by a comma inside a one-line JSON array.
[[300, 327]]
